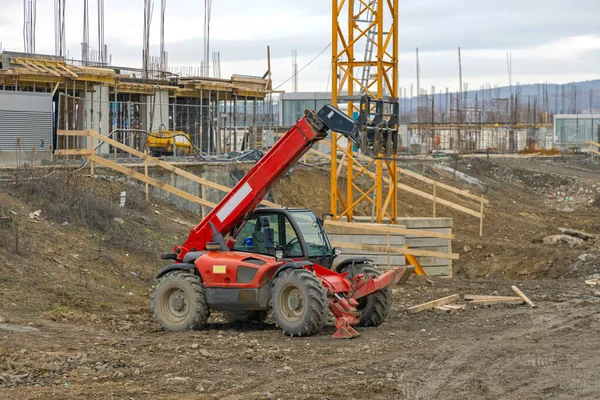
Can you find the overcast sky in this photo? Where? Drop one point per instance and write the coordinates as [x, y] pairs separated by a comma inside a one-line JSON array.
[[554, 41]]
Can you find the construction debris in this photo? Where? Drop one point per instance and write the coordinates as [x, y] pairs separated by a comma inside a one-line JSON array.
[[433, 304], [443, 304], [570, 240], [576, 233], [593, 282]]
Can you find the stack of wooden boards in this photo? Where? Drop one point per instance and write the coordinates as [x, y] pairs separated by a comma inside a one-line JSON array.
[[444, 304]]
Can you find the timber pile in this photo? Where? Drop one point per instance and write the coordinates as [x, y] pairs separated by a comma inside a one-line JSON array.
[[444, 304]]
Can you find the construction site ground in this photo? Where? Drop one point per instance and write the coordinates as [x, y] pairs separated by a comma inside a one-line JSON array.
[[76, 278]]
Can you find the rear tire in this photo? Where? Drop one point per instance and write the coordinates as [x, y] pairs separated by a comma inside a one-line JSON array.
[[179, 302], [374, 307], [299, 302], [245, 316]]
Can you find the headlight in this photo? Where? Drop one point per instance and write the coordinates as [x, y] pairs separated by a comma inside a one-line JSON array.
[[278, 254]]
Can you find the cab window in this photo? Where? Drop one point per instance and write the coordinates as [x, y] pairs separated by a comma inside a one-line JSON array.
[[251, 237]]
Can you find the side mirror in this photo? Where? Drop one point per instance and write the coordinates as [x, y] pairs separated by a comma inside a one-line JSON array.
[[337, 251]]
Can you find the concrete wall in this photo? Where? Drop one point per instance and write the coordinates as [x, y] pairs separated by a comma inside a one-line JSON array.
[[220, 173], [431, 265]]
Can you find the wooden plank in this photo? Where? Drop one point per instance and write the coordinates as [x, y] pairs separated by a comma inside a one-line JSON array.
[[168, 166], [443, 309], [594, 151], [458, 307], [71, 133], [484, 297], [152, 181], [593, 282], [74, 152], [514, 300], [440, 184], [425, 179], [593, 143], [432, 304], [417, 243], [361, 227], [73, 74], [410, 189], [383, 249], [522, 295]]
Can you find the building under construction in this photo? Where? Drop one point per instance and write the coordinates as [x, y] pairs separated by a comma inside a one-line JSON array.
[[41, 94]]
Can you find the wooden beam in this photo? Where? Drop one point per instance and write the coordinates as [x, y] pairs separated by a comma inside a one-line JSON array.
[[460, 307], [432, 304], [522, 295], [410, 189], [429, 180], [593, 143], [152, 181], [499, 300], [74, 152], [468, 297], [168, 166], [361, 227], [67, 70], [55, 88], [384, 250], [62, 132]]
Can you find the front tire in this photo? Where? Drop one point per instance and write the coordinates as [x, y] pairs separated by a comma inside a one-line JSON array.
[[299, 302], [179, 302], [374, 307]]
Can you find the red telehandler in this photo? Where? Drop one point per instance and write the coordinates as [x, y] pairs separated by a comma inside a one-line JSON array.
[[245, 260]]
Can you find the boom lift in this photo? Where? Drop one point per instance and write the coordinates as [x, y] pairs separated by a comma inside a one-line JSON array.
[[243, 260]]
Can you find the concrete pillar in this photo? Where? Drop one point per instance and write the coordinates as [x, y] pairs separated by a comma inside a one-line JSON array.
[[97, 119], [158, 111]]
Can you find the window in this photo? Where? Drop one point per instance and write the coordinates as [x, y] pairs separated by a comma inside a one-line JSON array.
[[316, 241], [252, 236]]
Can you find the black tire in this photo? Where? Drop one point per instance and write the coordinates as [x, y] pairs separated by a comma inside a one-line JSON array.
[[179, 302], [374, 307], [245, 316], [299, 302]]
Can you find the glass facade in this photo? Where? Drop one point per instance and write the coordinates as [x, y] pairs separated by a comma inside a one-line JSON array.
[[576, 128]]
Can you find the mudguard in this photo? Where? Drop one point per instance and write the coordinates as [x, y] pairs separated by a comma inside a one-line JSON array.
[[292, 264], [350, 261], [175, 267]]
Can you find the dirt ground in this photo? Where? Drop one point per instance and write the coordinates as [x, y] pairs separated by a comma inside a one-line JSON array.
[[75, 319]]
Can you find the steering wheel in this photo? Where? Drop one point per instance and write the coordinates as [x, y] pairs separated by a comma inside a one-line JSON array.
[[292, 242]]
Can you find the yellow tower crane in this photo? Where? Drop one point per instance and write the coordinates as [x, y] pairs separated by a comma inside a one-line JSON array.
[[369, 27]]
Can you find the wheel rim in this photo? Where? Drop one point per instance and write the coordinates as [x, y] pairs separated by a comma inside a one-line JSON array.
[[291, 303], [175, 305]]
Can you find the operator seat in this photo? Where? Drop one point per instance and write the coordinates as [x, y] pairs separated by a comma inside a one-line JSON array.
[[258, 242]]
